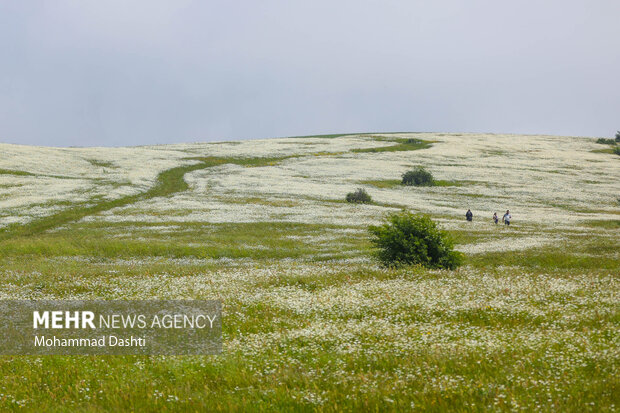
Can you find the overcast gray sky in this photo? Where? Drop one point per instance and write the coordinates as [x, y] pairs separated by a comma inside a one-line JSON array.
[[143, 72]]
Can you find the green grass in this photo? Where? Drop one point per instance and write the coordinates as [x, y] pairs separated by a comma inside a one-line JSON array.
[[382, 183], [25, 173], [328, 136], [435, 368], [441, 182], [102, 164], [280, 202], [338, 135], [195, 240], [281, 376], [149, 382], [393, 183], [246, 161], [495, 153], [15, 172], [589, 254], [168, 182], [610, 224], [311, 324], [605, 150], [401, 144], [548, 260]]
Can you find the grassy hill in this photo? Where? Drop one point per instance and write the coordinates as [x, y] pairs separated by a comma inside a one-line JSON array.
[[311, 321]]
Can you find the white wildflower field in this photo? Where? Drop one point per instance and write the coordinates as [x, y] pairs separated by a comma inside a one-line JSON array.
[[311, 320]]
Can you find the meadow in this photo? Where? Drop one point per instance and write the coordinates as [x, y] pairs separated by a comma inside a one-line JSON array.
[[312, 322]]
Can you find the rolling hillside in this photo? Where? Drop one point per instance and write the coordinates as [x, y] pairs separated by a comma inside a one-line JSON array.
[[311, 320]]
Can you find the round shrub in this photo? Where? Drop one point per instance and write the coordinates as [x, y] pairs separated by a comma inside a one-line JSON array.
[[418, 177], [360, 196], [617, 150], [406, 239], [618, 136]]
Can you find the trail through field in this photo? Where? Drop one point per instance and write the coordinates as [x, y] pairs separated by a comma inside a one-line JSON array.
[[168, 182]]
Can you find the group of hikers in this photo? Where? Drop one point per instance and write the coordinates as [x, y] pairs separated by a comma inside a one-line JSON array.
[[505, 219]]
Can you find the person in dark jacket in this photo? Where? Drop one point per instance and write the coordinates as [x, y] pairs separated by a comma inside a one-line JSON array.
[[469, 215]]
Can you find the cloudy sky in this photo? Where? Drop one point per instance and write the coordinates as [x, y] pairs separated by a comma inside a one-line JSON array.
[[90, 72]]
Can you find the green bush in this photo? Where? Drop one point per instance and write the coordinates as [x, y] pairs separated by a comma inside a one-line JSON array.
[[606, 141], [418, 177], [360, 196], [618, 136], [406, 239], [617, 150]]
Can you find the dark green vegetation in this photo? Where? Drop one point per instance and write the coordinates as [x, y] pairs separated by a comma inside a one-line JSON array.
[[359, 196], [383, 183], [614, 143], [406, 239], [100, 163], [441, 182], [392, 183], [402, 144], [418, 177], [605, 150], [15, 172]]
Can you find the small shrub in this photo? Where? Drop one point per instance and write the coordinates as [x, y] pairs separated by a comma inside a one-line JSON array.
[[606, 141], [406, 239], [617, 150], [618, 136], [360, 196], [418, 177]]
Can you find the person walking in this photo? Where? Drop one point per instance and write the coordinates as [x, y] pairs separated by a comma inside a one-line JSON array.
[[495, 218], [507, 217], [469, 215]]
